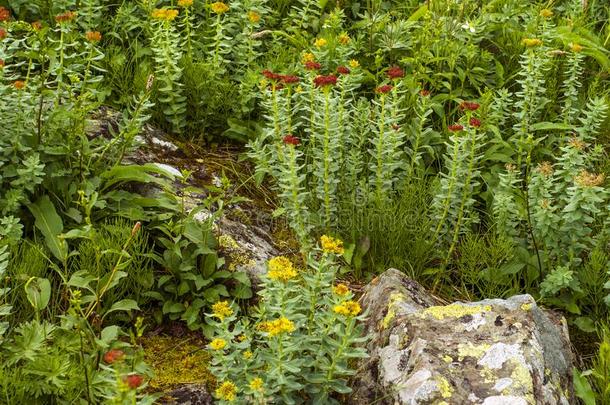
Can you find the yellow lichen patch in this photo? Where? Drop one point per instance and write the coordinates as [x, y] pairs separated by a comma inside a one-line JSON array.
[[471, 350], [177, 361], [522, 379], [238, 256], [391, 314], [444, 387], [527, 307], [447, 359], [455, 310]]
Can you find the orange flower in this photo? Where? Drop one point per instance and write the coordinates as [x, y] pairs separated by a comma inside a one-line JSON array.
[[19, 84], [36, 25], [113, 355], [93, 36], [133, 381], [5, 14], [66, 17], [3, 34], [2, 63]]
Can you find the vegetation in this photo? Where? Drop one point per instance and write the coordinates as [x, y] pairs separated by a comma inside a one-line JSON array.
[[465, 143]]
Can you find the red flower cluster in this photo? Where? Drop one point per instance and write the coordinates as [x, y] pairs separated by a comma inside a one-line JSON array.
[[455, 128], [469, 105], [289, 79], [475, 122], [133, 381], [3, 34], [342, 70], [270, 75], [395, 73], [286, 79], [424, 93], [384, 89], [113, 355], [5, 14], [291, 140], [311, 65], [322, 81]]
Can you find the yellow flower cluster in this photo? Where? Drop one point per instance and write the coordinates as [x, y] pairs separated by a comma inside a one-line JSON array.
[[341, 289], [531, 42], [253, 16], [221, 310], [354, 64], [277, 327], [185, 3], [344, 39], [281, 268], [308, 57], [247, 355], [219, 7], [226, 391], [348, 308], [576, 48], [218, 344], [546, 13], [331, 245], [164, 14], [256, 384], [320, 42]]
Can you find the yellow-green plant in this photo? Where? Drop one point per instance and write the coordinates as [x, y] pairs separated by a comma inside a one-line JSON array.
[[298, 342]]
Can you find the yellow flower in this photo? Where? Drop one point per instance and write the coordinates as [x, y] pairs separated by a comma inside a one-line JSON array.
[[576, 48], [331, 245], [226, 391], [247, 355], [341, 289], [308, 57], [218, 344], [277, 327], [344, 39], [221, 310], [219, 7], [320, 42], [281, 268], [242, 338], [546, 13], [185, 3], [253, 16], [531, 42], [354, 63], [348, 308], [164, 14], [256, 384]]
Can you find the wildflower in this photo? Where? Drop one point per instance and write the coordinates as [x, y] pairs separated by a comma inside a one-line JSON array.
[[279, 326], [586, 179], [424, 93], [66, 17], [218, 344], [341, 289], [291, 140], [475, 122], [271, 76], [219, 7], [93, 36], [384, 89], [2, 63], [36, 25], [289, 79], [323, 81], [577, 143], [164, 14], [253, 16], [342, 70], [308, 57], [344, 39], [348, 308], [354, 63], [256, 384], [133, 381], [531, 42], [320, 43], [185, 3], [546, 13], [331, 245], [280, 267], [455, 128], [3, 34], [226, 391], [114, 355], [19, 84], [5, 14], [311, 65], [469, 105], [510, 167], [222, 310], [468, 26], [545, 168], [395, 73], [247, 355], [576, 48]]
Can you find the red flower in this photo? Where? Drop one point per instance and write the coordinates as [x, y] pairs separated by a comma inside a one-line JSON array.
[[66, 17], [5, 14], [19, 84], [2, 63], [342, 70], [133, 381], [311, 65], [475, 122], [289, 79], [469, 105], [322, 81], [455, 128], [291, 140], [37, 25], [270, 75], [113, 355], [424, 93], [384, 89], [3, 34], [395, 73]]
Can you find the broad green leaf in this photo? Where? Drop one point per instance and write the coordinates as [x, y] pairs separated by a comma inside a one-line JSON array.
[[50, 225], [38, 292], [583, 388], [123, 305]]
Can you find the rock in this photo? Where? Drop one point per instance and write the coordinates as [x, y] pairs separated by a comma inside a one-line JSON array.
[[492, 352], [188, 394]]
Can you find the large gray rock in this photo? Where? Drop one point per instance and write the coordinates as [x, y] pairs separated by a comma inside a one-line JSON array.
[[492, 352]]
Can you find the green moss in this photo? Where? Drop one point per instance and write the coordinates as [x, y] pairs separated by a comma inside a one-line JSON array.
[[455, 310], [177, 361]]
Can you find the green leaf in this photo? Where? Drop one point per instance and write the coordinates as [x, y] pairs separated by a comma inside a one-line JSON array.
[[123, 305], [50, 225], [583, 389], [38, 292], [585, 324]]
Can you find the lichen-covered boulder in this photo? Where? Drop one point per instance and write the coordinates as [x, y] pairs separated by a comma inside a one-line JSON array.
[[492, 352]]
